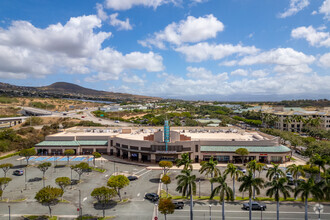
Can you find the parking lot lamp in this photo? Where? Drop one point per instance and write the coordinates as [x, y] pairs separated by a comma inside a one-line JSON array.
[[199, 188], [9, 211], [25, 180], [261, 208], [210, 212]]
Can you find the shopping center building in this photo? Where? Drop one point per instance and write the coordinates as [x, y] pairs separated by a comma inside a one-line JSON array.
[[149, 144]]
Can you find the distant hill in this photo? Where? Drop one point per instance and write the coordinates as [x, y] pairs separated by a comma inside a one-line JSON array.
[[69, 90]]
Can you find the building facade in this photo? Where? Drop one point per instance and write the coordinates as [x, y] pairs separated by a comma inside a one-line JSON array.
[[148, 145]]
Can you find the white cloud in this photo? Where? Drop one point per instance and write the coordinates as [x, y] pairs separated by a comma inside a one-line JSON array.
[[204, 74], [287, 60], [280, 84], [325, 60], [228, 63], [127, 4], [100, 12], [239, 72], [205, 51], [186, 31], [325, 9], [75, 47], [295, 7], [122, 25], [132, 79], [314, 37], [259, 73]]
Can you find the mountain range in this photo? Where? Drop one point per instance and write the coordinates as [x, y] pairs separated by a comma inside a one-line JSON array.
[[69, 90]]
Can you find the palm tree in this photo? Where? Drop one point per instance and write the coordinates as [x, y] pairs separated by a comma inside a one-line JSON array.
[[278, 186], [309, 188], [259, 167], [248, 182], [274, 172], [225, 192], [252, 165], [318, 161], [288, 121], [185, 161], [295, 171], [187, 186], [210, 167], [234, 173]]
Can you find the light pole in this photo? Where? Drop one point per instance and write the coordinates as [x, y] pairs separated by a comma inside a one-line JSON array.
[[80, 211], [25, 180], [114, 166], [156, 211], [261, 208], [319, 209], [9, 211], [210, 212], [199, 188], [71, 177]]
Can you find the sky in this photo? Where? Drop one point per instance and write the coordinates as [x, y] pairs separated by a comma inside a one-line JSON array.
[[226, 50]]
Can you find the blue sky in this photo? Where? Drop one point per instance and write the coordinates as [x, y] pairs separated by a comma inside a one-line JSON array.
[[190, 49]]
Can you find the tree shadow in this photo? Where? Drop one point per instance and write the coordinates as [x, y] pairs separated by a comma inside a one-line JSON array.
[[111, 204], [74, 182], [18, 166], [60, 166], [154, 180]]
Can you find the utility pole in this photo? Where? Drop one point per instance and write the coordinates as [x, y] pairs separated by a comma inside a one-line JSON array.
[[210, 212], [9, 211]]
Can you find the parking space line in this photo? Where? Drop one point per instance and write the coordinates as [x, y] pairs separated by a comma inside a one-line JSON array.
[[144, 173], [139, 171]]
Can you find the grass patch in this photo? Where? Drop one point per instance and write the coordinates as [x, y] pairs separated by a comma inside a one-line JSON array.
[[98, 169], [64, 201], [9, 155], [123, 201]]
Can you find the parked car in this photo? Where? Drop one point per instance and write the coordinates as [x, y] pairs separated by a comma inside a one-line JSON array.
[[288, 175], [242, 169], [18, 172], [290, 181], [178, 205], [132, 178], [255, 206], [152, 196], [116, 121]]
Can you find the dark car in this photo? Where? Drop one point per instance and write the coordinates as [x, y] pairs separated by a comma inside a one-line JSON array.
[[152, 196], [242, 169], [255, 206], [290, 181], [178, 205], [132, 178], [18, 172]]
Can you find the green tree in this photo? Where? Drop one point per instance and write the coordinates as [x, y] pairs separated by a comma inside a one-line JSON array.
[[68, 153], [117, 183], [252, 165], [43, 167], [242, 152], [296, 171], [48, 196], [318, 161], [4, 181], [277, 187], [274, 172], [210, 167], [166, 180], [103, 195], [184, 161], [166, 165], [96, 155], [166, 206], [234, 173], [248, 183], [260, 167], [80, 168], [187, 186], [27, 153], [5, 167], [224, 191], [307, 189], [63, 182]]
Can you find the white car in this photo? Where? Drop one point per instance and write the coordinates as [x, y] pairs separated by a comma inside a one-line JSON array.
[[116, 121]]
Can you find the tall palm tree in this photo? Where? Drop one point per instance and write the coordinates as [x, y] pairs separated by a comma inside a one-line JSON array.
[[185, 161], [210, 167], [224, 191], [309, 188], [248, 182], [296, 171], [252, 165], [187, 186], [259, 167], [278, 186], [234, 173], [274, 172]]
